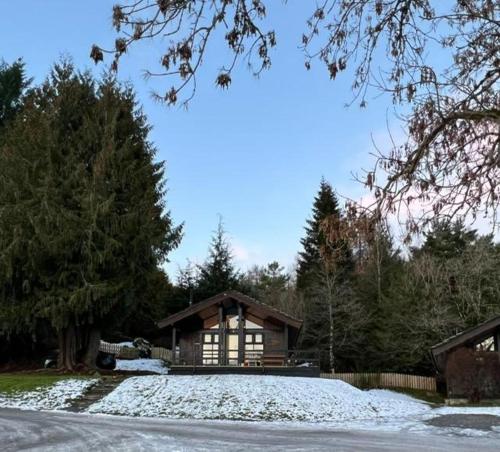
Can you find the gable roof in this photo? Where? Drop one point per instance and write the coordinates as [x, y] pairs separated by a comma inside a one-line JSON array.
[[235, 295], [481, 331]]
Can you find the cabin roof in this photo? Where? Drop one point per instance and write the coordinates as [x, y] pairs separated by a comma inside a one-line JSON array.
[[478, 332], [265, 310]]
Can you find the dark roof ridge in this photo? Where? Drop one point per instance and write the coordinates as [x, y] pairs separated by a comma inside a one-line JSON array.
[[452, 341], [194, 308]]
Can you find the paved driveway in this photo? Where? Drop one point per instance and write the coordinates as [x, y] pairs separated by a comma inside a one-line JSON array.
[[58, 431]]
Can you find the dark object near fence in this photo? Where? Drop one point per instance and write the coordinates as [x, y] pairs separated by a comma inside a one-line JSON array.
[[50, 361], [105, 361], [143, 346]]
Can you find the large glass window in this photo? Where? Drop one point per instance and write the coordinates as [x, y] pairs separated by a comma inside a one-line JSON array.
[[232, 349], [210, 351], [254, 348]]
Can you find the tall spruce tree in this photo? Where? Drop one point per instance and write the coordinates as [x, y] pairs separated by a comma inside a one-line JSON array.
[[217, 274], [309, 261], [82, 215], [324, 266], [13, 83], [376, 273]]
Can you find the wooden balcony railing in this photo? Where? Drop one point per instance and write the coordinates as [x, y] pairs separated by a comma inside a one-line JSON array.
[[247, 358]]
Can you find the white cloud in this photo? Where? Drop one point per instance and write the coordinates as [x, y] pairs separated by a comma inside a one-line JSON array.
[[240, 252]]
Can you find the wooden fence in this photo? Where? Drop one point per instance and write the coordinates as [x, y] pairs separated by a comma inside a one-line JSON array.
[[120, 351], [385, 380], [161, 353]]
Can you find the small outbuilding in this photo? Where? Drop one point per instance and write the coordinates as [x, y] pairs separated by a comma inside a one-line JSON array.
[[234, 333], [469, 362]]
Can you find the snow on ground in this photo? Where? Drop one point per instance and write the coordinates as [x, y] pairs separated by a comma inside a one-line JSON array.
[[242, 397], [492, 410], [143, 364], [52, 397]]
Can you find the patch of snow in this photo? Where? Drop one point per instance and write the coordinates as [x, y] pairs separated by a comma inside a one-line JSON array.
[[257, 398], [54, 397], [143, 364], [493, 410], [126, 344]]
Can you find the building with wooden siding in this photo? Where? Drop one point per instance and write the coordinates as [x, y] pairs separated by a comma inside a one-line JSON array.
[[469, 362], [234, 333]]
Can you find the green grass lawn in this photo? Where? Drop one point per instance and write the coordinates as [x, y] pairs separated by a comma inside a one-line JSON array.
[[426, 396], [20, 382]]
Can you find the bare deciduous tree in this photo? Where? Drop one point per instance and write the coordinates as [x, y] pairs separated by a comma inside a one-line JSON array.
[[189, 25], [438, 60]]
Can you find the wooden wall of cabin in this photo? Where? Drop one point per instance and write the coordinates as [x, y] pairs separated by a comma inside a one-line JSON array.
[[273, 337], [186, 346]]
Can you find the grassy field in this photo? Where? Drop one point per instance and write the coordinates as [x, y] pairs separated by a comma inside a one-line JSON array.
[[20, 382], [426, 396]]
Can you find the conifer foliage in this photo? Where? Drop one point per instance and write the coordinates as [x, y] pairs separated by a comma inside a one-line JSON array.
[[325, 204], [324, 267], [217, 274], [82, 215], [13, 82]]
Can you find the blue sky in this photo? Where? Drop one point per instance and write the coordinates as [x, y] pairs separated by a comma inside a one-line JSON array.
[[254, 154]]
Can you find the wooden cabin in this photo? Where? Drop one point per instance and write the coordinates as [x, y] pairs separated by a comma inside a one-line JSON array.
[[234, 333], [469, 363]]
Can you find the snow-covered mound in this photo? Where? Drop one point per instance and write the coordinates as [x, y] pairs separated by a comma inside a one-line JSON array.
[[52, 397], [239, 397], [143, 365]]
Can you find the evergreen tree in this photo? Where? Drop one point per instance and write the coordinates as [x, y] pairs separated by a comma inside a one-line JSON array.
[[82, 216], [183, 292], [309, 261], [152, 304], [13, 83], [373, 282], [217, 274], [323, 272], [272, 285], [447, 239]]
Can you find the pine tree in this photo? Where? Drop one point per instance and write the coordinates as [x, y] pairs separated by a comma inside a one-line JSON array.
[[324, 267], [447, 240], [13, 83], [82, 216], [272, 285], [217, 274], [372, 283], [309, 261], [183, 292]]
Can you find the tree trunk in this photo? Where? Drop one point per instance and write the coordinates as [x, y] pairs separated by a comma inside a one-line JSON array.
[[67, 348], [331, 332], [93, 342], [78, 346]]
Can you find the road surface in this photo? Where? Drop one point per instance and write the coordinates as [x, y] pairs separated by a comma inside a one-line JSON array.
[[58, 431]]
